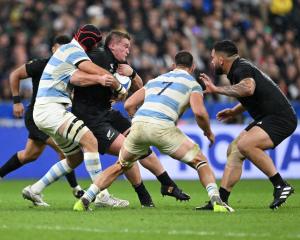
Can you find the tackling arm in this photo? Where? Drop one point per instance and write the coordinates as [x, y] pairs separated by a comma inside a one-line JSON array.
[[134, 101]]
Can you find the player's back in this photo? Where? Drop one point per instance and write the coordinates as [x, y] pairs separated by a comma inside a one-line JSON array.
[[54, 84], [167, 96]]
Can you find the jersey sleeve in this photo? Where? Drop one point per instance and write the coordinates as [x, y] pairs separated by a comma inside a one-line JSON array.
[[77, 56], [197, 88], [35, 67], [242, 72]]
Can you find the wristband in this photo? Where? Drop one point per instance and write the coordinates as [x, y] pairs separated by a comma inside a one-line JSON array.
[[121, 90], [16, 99], [132, 76]]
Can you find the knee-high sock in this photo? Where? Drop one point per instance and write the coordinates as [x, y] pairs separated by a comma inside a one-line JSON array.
[[58, 170], [92, 164]]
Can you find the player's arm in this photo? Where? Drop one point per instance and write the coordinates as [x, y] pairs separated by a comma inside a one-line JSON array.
[[229, 113], [107, 79], [132, 103], [201, 115], [14, 81], [83, 79], [244, 88], [136, 81]]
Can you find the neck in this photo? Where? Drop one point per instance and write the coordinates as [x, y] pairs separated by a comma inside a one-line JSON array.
[[229, 63]]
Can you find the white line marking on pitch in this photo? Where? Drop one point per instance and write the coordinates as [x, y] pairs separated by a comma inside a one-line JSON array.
[[141, 231]]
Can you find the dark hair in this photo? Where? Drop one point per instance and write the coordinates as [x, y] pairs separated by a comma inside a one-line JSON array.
[[226, 46], [88, 36], [184, 58], [116, 35], [61, 39]]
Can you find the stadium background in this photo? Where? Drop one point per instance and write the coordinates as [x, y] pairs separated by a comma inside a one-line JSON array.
[[267, 32]]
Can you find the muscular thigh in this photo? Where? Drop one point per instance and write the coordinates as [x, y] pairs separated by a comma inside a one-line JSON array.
[[256, 137]]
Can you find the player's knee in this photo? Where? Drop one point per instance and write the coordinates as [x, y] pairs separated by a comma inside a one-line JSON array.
[[242, 147], [194, 158], [234, 156], [89, 142]]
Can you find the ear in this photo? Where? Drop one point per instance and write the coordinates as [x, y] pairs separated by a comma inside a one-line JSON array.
[[173, 66]]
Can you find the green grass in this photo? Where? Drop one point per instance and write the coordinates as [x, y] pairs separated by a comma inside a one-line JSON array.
[[169, 220]]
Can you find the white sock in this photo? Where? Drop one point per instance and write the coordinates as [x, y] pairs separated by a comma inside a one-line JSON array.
[[92, 164], [212, 190], [91, 193], [58, 170]]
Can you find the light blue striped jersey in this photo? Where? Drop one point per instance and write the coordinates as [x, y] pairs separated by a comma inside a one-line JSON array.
[[167, 97], [54, 83]]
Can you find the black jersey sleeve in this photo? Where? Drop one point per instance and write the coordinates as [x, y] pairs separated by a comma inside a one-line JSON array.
[[35, 68], [242, 72]]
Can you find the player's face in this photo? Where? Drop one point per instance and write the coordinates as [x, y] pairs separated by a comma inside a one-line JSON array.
[[216, 63], [121, 49]]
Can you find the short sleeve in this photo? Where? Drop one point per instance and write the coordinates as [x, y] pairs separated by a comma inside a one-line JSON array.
[[35, 67], [241, 73], [76, 56]]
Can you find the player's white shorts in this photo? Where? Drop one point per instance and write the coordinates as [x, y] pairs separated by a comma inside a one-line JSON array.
[[166, 137], [49, 117]]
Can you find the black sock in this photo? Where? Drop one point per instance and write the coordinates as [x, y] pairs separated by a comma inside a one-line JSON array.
[[12, 164], [142, 193], [277, 180], [224, 194], [71, 179], [165, 179]]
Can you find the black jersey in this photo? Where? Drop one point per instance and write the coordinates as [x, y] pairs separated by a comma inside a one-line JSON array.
[[96, 97], [267, 98], [35, 70]]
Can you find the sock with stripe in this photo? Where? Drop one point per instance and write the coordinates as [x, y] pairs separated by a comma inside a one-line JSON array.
[[58, 170], [212, 190], [91, 193], [92, 164]]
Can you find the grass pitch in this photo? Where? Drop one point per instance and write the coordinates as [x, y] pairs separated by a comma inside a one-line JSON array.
[[169, 220]]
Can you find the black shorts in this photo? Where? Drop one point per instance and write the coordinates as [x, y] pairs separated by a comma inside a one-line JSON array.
[[106, 127], [278, 127], [34, 133]]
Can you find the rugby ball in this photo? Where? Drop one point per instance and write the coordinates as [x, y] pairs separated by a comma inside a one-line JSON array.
[[124, 80]]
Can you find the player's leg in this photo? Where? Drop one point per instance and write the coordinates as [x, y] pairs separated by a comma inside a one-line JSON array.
[[172, 141], [232, 173], [31, 152], [68, 132], [106, 178], [131, 149], [133, 175], [71, 178], [150, 161], [252, 146]]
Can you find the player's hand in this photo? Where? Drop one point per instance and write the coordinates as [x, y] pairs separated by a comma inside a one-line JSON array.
[[108, 80], [125, 69], [211, 137], [225, 115], [18, 110], [210, 87]]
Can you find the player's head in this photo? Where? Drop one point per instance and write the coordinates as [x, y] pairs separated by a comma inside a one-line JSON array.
[[119, 44], [223, 51], [88, 36], [58, 41], [185, 60]]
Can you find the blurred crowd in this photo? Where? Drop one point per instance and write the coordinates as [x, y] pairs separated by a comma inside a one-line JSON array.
[[266, 31]]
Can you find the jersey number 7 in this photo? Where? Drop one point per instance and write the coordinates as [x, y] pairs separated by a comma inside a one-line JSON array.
[[168, 84]]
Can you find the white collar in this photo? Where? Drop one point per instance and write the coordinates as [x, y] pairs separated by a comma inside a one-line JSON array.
[[181, 70], [74, 41]]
